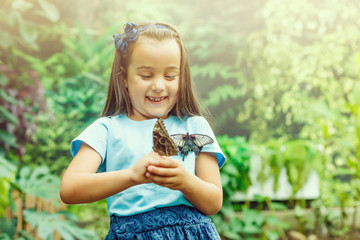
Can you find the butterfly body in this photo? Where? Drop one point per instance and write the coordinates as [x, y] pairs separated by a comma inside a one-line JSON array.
[[191, 142]]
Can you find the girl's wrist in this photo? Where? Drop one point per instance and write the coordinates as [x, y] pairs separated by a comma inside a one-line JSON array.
[[134, 179], [187, 182]]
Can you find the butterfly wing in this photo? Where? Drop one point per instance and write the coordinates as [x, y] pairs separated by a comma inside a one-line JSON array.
[[178, 140], [162, 142], [198, 141], [201, 140]]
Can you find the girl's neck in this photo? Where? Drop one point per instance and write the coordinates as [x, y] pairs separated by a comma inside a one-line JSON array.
[[144, 118]]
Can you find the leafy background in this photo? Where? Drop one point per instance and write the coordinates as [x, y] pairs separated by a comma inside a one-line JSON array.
[[281, 79]]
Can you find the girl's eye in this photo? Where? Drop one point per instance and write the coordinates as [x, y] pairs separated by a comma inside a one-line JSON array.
[[171, 77], [145, 76]]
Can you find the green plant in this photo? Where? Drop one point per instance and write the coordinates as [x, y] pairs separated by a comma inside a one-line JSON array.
[[298, 157], [24, 24], [7, 176], [41, 183], [234, 178], [74, 98], [63, 222], [339, 124], [92, 216], [251, 223], [256, 225]]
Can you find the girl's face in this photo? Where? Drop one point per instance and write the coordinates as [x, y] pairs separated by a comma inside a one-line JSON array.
[[153, 78]]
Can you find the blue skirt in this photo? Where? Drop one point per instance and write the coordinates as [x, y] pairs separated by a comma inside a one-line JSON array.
[[178, 222]]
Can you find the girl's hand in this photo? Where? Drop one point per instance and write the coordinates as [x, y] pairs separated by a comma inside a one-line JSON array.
[[168, 172], [140, 168]]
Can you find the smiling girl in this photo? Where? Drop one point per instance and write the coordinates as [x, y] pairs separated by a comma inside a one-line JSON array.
[[149, 196]]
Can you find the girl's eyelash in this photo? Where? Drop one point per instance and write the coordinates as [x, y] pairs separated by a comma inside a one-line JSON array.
[[173, 77], [167, 77], [146, 76]]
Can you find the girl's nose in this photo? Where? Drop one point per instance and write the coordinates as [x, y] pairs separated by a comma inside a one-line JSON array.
[[158, 85]]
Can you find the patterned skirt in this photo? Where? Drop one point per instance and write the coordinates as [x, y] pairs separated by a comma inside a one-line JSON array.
[[179, 222]]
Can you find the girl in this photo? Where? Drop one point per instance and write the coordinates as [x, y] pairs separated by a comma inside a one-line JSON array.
[[149, 196]]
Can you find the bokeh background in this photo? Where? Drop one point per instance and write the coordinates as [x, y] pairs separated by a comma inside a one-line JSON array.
[[281, 79]]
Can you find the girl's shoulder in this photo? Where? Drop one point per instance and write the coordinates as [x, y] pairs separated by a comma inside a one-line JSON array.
[[190, 118], [196, 119], [192, 122], [107, 121]]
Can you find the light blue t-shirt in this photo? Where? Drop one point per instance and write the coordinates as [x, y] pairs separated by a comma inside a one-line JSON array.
[[121, 142]]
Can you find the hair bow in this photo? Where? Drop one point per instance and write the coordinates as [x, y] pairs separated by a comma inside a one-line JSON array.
[[130, 35], [131, 32]]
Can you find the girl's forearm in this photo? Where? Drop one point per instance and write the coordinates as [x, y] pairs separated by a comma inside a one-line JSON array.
[[83, 187], [207, 197]]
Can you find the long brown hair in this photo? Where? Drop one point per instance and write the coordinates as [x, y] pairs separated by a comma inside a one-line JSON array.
[[118, 99]]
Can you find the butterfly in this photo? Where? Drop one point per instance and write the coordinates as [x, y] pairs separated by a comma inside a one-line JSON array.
[[190, 142], [162, 143]]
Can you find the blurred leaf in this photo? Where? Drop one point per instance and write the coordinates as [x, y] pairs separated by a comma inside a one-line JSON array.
[[4, 236], [272, 235], [7, 169], [6, 97], [40, 182], [225, 179], [3, 80], [47, 223], [278, 206], [49, 11], [6, 40], [356, 94], [29, 34], [7, 228], [8, 138], [5, 114]]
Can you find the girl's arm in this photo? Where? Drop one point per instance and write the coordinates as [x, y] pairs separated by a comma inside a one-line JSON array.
[[203, 190], [81, 183]]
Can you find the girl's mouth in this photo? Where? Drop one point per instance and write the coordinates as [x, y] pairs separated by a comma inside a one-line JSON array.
[[156, 99]]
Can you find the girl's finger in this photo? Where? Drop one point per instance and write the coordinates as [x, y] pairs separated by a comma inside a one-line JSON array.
[[167, 162], [160, 180], [160, 171]]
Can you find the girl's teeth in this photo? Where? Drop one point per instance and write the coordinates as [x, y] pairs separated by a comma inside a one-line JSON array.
[[156, 99]]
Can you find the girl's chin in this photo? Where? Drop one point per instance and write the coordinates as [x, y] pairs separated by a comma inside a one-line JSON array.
[[163, 116], [141, 117]]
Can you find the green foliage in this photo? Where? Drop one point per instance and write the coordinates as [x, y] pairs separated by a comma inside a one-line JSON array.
[[93, 216], [234, 178], [8, 231], [23, 105], [281, 68], [252, 223], [39, 182], [6, 115], [74, 98], [235, 173], [7, 228], [7, 176], [297, 157], [25, 25], [47, 223]]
